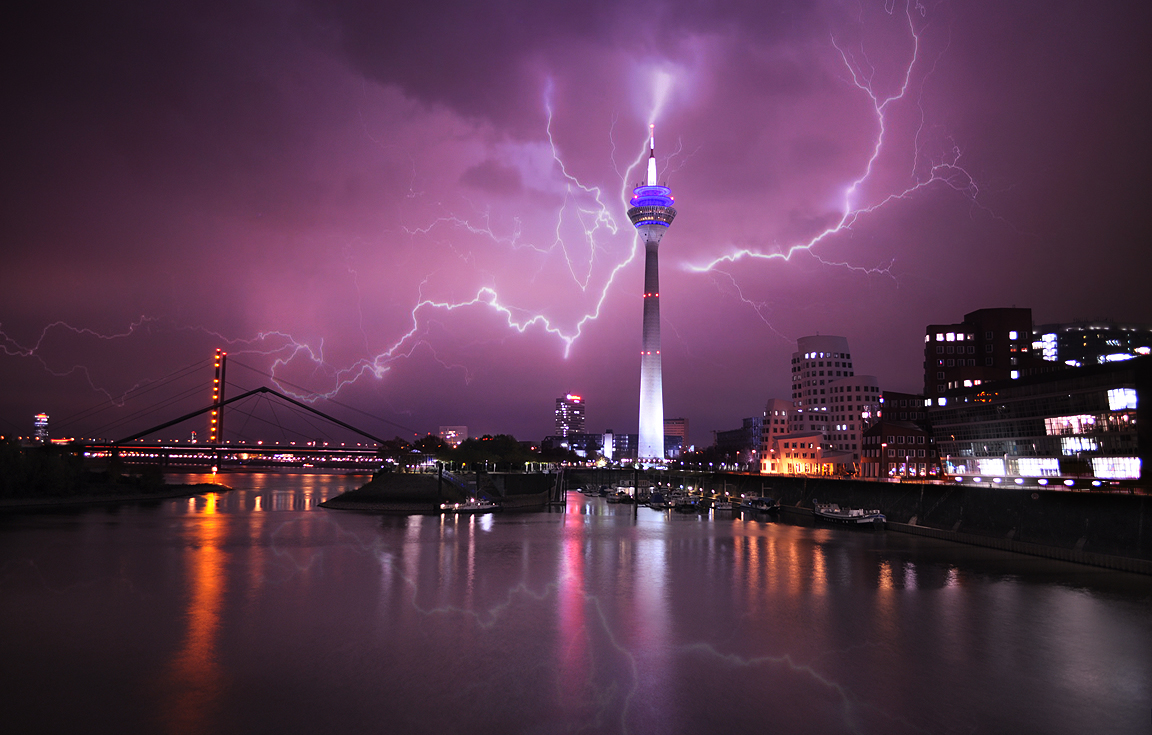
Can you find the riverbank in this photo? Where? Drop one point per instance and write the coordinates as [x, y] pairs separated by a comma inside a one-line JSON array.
[[396, 492], [1076, 555], [414, 493], [107, 495], [1103, 529]]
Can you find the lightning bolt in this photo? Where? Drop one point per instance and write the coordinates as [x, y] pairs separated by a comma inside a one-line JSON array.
[[848, 700], [944, 171], [593, 263], [596, 222], [487, 617], [12, 348]]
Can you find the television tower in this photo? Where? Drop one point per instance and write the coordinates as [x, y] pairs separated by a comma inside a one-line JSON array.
[[651, 213]]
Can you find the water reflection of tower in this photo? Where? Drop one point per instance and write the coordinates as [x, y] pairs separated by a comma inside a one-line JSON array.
[[651, 213]]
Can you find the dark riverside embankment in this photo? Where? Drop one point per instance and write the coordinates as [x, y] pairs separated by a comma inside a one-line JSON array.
[[109, 494], [1112, 530], [406, 493]]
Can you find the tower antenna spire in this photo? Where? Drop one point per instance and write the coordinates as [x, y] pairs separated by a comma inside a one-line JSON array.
[[652, 154]]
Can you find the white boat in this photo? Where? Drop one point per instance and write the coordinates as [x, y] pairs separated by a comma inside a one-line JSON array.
[[850, 516], [472, 505], [722, 505]]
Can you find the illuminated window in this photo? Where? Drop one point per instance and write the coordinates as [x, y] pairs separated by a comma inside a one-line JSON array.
[[1038, 466], [1116, 468], [1121, 398], [987, 466], [1066, 425], [1070, 445]]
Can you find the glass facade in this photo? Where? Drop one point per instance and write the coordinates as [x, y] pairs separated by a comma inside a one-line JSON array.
[[1080, 422]]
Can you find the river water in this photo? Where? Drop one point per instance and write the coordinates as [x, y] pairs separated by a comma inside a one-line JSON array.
[[257, 611]]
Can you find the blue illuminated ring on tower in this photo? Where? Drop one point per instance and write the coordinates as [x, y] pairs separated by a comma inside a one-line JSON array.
[[651, 205]]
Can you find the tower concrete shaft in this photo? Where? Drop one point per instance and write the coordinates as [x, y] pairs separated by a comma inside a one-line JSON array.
[[651, 212]]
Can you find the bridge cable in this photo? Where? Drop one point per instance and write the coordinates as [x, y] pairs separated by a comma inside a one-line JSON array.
[[313, 393]]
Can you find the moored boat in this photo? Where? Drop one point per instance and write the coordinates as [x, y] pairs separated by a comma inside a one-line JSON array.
[[472, 505], [850, 516], [762, 505], [656, 501]]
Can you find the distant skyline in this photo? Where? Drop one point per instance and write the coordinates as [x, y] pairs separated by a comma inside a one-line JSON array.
[[422, 211]]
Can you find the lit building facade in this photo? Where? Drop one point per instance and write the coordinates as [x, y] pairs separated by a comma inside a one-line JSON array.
[[586, 446], [40, 427], [677, 427], [651, 212], [828, 396], [894, 448], [453, 435], [990, 344], [803, 453], [569, 415], [777, 413], [1091, 343], [625, 447], [1078, 425], [742, 445]]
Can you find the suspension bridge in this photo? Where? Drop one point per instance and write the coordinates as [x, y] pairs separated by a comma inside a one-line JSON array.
[[266, 429]]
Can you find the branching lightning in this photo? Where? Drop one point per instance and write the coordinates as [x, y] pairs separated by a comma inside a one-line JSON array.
[[945, 171], [594, 219], [593, 262], [848, 700]]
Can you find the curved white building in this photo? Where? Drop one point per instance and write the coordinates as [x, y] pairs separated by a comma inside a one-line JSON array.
[[829, 397]]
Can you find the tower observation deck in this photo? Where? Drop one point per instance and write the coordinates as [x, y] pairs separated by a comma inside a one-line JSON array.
[[651, 212]]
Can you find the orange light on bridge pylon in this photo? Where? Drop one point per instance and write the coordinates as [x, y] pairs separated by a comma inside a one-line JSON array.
[[216, 426]]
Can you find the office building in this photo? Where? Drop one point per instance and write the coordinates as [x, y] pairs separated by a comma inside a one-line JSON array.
[[569, 415], [895, 448], [1083, 426], [677, 427], [990, 344], [1091, 343]]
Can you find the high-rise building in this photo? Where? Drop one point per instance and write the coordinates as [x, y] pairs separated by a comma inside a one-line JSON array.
[[990, 344], [40, 424], [829, 397], [651, 212], [677, 427], [569, 415]]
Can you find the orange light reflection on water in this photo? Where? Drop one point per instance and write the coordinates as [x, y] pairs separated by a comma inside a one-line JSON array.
[[193, 675]]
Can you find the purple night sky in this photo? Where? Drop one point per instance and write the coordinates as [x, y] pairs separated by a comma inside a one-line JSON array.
[[320, 187]]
